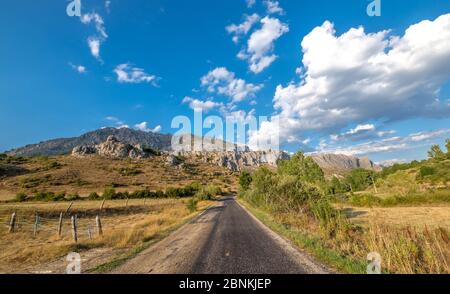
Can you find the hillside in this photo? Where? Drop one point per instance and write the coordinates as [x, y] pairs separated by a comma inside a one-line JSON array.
[[65, 145], [93, 174]]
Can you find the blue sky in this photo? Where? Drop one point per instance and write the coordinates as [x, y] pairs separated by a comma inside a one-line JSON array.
[[158, 59]]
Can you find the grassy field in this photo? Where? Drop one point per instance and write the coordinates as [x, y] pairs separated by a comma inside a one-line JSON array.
[[416, 216], [126, 226]]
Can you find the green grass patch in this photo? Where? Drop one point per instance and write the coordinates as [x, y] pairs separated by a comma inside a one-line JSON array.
[[441, 196]]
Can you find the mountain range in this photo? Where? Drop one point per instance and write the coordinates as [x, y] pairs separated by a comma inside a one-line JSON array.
[[330, 163]]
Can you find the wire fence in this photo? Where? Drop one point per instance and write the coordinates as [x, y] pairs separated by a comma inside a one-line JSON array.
[[69, 222]]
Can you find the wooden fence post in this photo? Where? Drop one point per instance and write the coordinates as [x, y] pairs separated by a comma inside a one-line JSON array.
[[74, 228], [60, 224], [36, 225], [99, 225], [103, 204], [89, 232], [12, 223], [126, 204], [68, 208]]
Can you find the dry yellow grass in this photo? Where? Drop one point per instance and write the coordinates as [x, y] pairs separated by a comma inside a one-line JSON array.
[[124, 227], [419, 217]]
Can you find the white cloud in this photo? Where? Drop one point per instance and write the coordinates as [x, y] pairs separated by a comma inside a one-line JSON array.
[[224, 82], [144, 127], [273, 7], [126, 73], [357, 77], [259, 51], [242, 29], [360, 132], [79, 68], [423, 136], [198, 105], [94, 42], [99, 23], [385, 145], [94, 46], [250, 3]]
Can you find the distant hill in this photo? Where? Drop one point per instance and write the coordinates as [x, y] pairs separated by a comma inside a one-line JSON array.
[[339, 163], [66, 145]]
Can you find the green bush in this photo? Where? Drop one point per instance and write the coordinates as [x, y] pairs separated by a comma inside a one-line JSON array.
[[94, 196], [303, 167], [360, 179], [192, 204], [21, 197], [175, 192], [425, 171], [208, 193], [58, 197], [335, 186], [245, 180], [109, 193]]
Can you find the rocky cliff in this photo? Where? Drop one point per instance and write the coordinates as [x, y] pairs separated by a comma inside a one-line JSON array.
[[111, 148], [240, 160]]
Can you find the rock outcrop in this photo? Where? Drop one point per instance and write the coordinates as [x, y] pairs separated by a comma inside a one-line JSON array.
[[240, 160], [111, 148]]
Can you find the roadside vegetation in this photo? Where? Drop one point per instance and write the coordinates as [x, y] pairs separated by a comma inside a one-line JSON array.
[[298, 201]]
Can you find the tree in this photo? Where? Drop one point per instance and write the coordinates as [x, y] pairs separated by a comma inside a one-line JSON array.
[[447, 145], [360, 179], [436, 152], [245, 180], [305, 168]]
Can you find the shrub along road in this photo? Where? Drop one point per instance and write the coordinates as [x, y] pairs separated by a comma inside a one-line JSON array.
[[225, 239]]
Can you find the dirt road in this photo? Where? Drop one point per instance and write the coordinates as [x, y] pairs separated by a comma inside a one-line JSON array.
[[225, 239]]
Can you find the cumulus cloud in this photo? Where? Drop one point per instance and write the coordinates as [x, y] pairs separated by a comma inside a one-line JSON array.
[[357, 77], [95, 41], [273, 7], [224, 82], [250, 3], [144, 127], [79, 68], [242, 29], [198, 105], [260, 45], [127, 73]]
